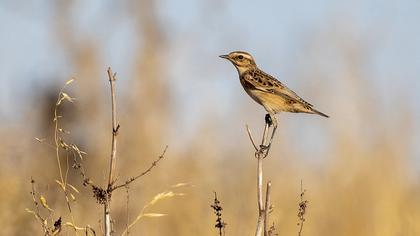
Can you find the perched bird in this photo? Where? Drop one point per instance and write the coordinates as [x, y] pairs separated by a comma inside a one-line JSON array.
[[267, 90]]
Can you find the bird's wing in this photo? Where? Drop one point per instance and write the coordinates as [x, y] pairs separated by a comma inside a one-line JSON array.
[[259, 80]]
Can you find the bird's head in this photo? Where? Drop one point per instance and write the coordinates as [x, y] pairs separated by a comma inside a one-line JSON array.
[[243, 61]]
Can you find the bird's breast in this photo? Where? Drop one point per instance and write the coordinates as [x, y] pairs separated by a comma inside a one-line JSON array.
[[250, 90]]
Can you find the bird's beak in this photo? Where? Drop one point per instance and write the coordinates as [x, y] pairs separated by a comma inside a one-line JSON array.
[[224, 56]]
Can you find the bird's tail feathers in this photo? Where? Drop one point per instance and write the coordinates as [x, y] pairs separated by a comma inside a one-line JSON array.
[[319, 113]]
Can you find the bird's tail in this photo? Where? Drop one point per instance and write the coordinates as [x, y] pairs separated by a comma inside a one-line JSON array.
[[319, 113]]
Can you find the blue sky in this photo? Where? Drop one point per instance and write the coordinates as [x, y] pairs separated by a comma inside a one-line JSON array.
[[280, 35]]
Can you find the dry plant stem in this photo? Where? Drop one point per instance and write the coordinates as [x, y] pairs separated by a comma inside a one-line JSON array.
[[37, 215], [260, 184], [57, 142], [128, 215], [267, 208], [115, 127], [57, 145], [87, 229], [261, 214], [260, 154]]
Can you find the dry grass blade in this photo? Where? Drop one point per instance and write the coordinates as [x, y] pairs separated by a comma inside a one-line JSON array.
[[87, 229], [154, 215], [158, 197], [69, 81], [41, 140], [182, 185], [44, 203], [162, 196], [74, 188]]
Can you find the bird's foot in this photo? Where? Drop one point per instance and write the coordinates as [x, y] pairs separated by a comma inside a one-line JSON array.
[[268, 119], [263, 151]]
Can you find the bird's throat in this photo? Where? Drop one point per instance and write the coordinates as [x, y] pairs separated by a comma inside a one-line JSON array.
[[242, 69]]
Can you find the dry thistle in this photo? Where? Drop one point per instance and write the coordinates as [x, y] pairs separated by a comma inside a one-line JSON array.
[[100, 194], [303, 204], [57, 226], [220, 224]]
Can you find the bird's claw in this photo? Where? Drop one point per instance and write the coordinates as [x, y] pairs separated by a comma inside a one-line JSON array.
[[268, 119], [263, 151]]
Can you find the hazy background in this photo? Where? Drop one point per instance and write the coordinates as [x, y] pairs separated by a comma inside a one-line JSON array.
[[358, 61]]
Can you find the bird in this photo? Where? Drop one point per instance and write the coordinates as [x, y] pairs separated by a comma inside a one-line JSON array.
[[266, 90]]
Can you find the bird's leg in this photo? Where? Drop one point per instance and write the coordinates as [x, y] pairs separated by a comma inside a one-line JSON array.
[[274, 123], [270, 120], [268, 123]]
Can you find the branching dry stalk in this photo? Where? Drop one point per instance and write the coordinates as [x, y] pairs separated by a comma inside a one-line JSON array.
[[36, 212], [261, 152], [115, 127], [60, 143], [53, 226], [217, 208], [104, 196], [50, 226]]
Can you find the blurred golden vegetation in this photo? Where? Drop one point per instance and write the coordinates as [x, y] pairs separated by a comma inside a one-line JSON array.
[[360, 184]]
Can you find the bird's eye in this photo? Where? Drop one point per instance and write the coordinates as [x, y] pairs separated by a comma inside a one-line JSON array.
[[240, 57]]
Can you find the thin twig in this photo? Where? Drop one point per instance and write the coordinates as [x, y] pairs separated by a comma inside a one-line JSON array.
[[127, 208], [78, 165], [154, 164], [251, 138], [36, 212]]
